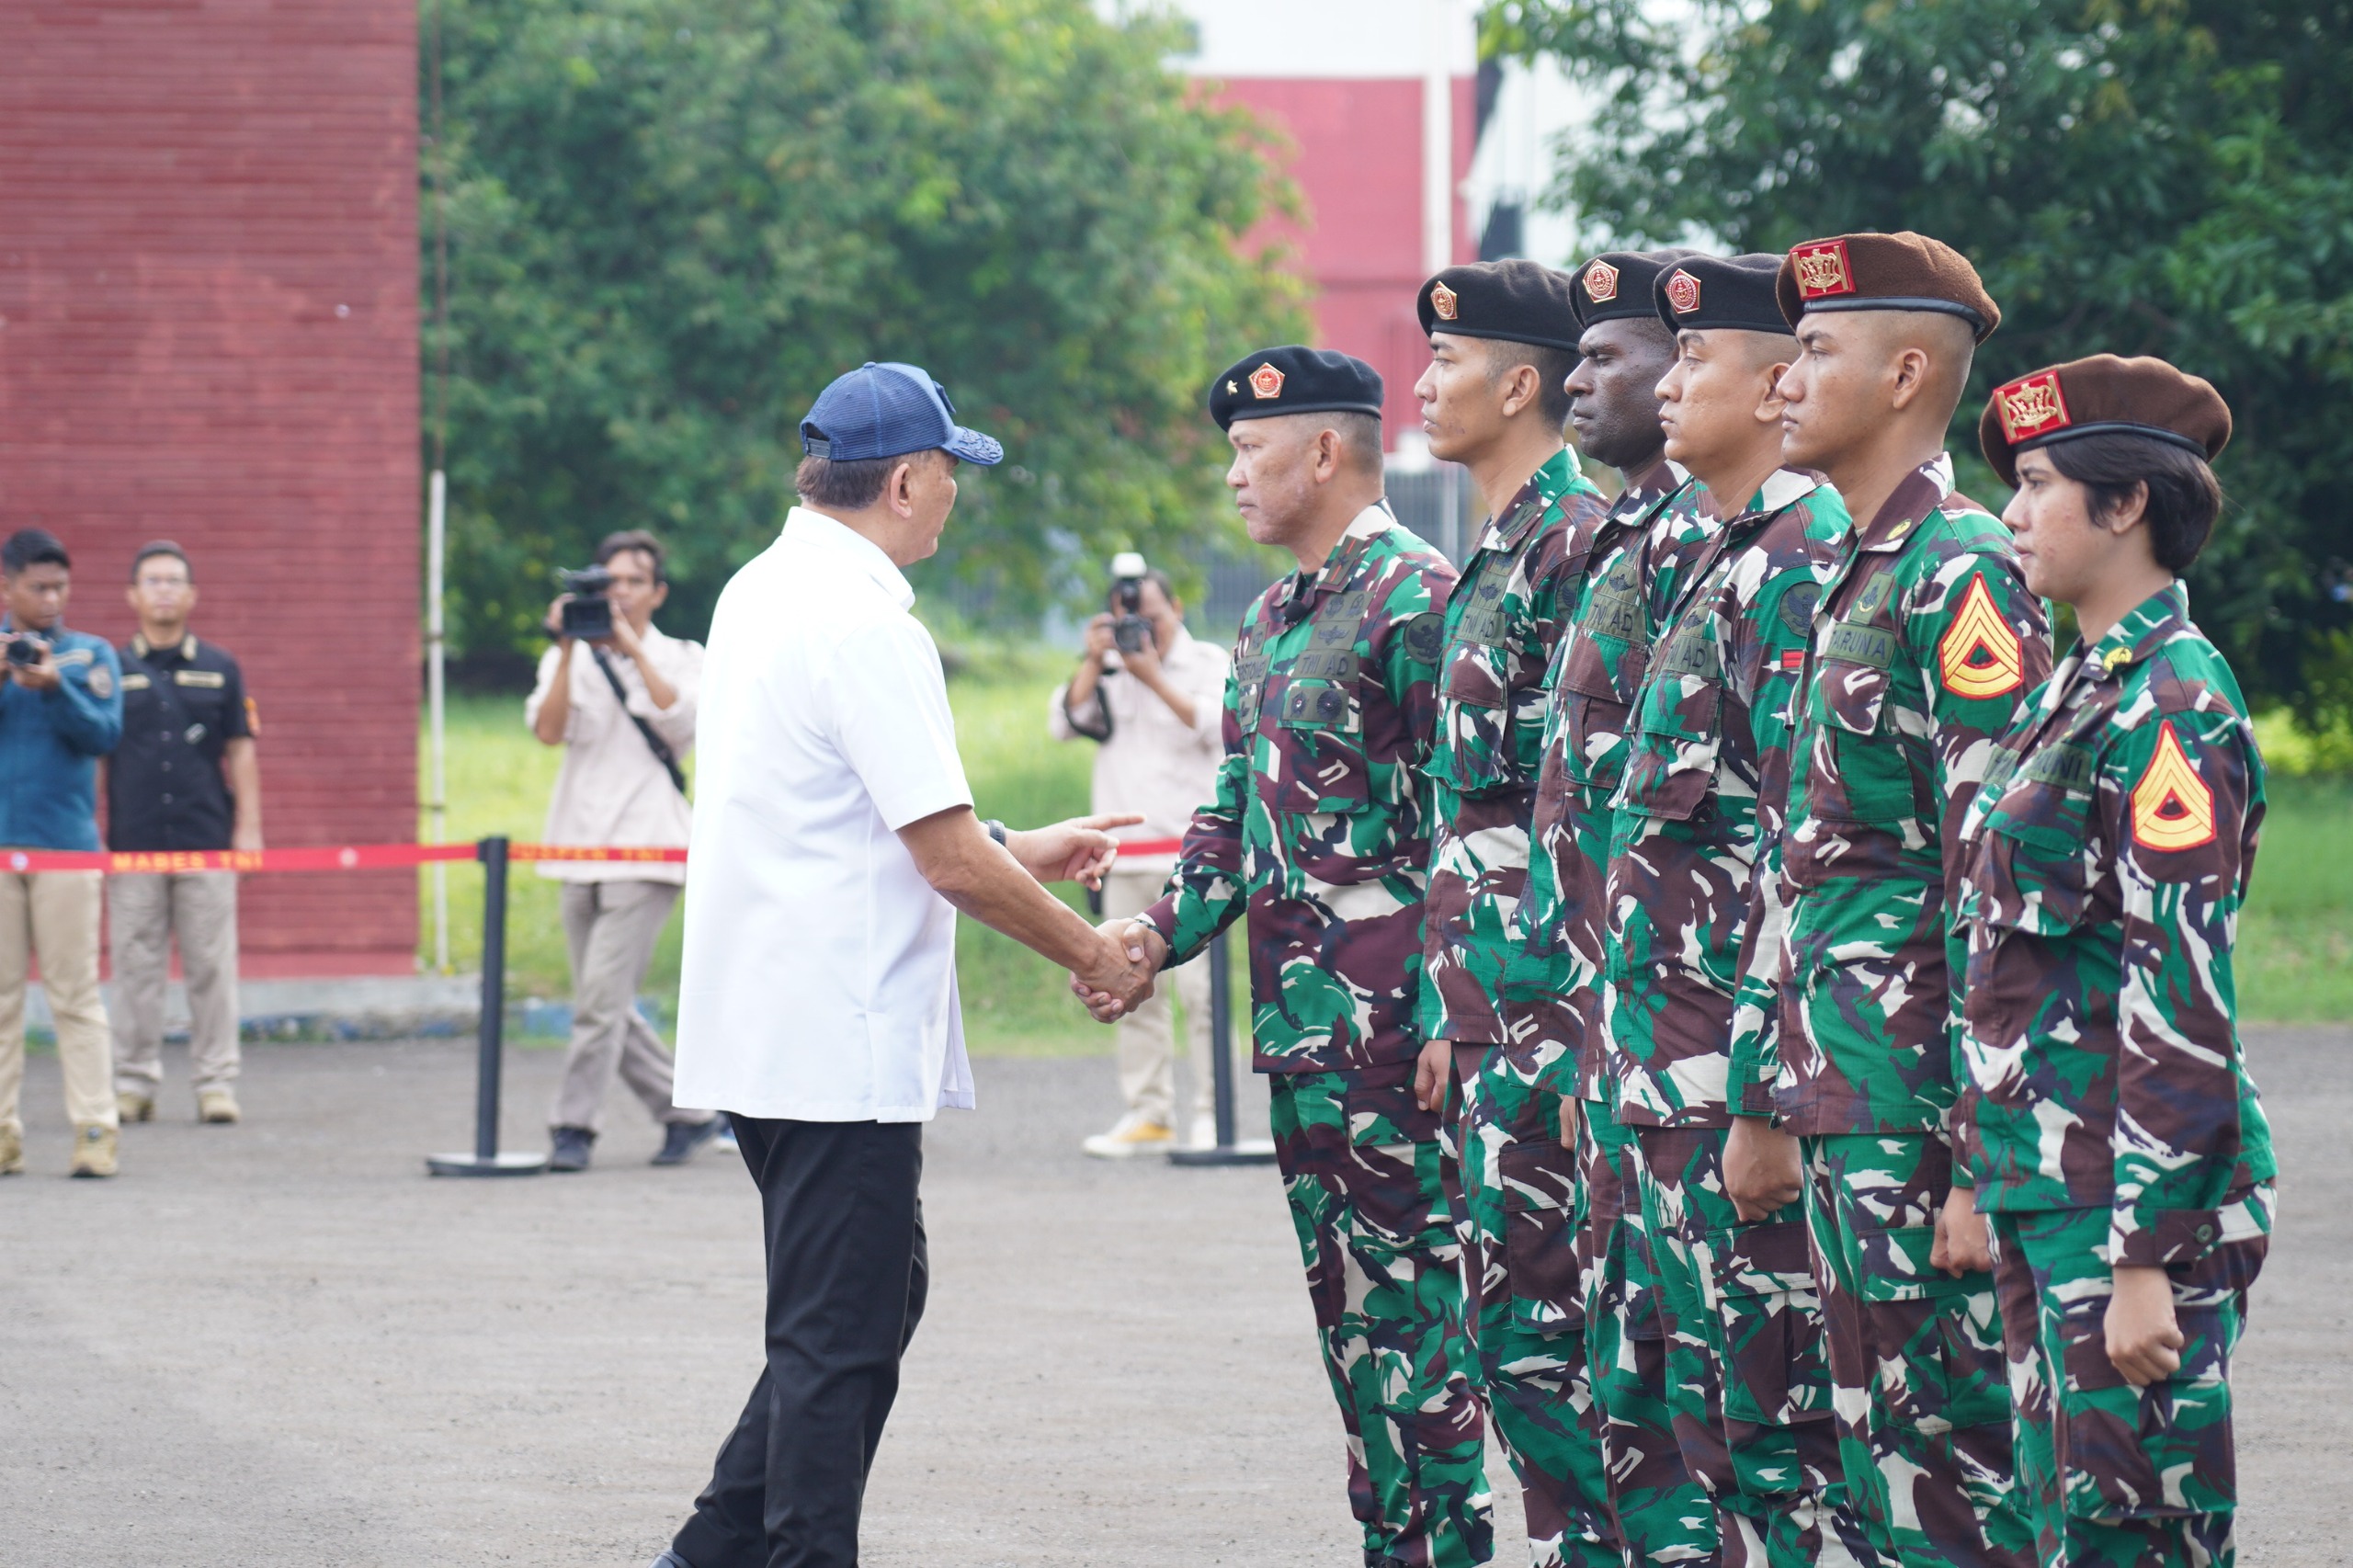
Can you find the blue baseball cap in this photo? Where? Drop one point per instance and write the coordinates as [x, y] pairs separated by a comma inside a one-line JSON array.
[[888, 410]]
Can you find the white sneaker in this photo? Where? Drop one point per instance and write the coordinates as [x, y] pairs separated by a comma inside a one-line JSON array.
[[1204, 1132], [1133, 1135]]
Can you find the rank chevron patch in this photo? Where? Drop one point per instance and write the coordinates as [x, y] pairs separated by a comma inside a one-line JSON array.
[[2172, 808], [1980, 655]]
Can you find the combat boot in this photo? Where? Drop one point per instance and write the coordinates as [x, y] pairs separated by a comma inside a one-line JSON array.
[[12, 1152], [94, 1150], [134, 1107], [216, 1106]]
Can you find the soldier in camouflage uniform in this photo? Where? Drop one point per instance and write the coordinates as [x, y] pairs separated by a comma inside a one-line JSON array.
[[1706, 780], [1495, 400], [1662, 1516], [1925, 645], [2116, 1140], [1320, 832]]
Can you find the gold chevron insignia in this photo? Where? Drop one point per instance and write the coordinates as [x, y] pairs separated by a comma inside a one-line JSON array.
[[2172, 807], [1980, 655]]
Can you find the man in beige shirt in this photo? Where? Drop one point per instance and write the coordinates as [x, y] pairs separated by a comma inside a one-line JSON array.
[[615, 788], [1157, 713]]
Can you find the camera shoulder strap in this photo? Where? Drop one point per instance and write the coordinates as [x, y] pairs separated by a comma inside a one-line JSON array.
[[661, 751]]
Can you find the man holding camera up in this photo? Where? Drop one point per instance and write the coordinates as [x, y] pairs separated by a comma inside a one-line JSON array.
[[1153, 698], [60, 710], [618, 696]]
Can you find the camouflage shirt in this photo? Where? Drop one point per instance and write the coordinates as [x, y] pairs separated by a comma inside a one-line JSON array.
[[2106, 859], [1926, 643], [1320, 824], [1636, 560], [1501, 627], [1706, 783]]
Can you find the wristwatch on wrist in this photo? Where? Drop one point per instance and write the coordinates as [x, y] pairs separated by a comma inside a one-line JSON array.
[[996, 829]]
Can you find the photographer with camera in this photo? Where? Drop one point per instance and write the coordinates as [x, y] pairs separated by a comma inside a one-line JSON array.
[[1153, 699], [618, 696], [60, 710]]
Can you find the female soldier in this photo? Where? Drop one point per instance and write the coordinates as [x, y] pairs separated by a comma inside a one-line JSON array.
[[2111, 1130]]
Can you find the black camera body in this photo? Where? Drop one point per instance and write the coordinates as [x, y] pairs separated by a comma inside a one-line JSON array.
[[1129, 629], [588, 614], [26, 647]]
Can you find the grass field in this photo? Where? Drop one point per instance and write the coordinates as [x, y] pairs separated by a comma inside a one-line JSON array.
[[2295, 948]]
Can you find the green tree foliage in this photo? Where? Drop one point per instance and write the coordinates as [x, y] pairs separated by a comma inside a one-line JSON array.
[[2136, 177], [673, 222]]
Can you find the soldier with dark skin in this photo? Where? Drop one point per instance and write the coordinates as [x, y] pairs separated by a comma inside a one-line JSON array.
[[2115, 1138], [1502, 336], [1662, 1513], [1687, 910], [1319, 833], [1924, 645]]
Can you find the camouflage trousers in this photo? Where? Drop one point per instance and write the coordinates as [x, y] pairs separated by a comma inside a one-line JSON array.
[[1922, 1397], [2115, 1476], [1525, 1302], [1364, 1175], [1745, 1375], [1662, 1516]]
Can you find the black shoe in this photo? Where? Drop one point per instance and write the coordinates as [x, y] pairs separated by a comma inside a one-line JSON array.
[[680, 1139], [569, 1151]]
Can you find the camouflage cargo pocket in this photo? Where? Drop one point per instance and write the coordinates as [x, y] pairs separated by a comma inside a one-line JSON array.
[[1318, 759], [2162, 1451], [1671, 764], [1596, 709], [1539, 1244], [1873, 780], [1766, 1323], [1474, 750]]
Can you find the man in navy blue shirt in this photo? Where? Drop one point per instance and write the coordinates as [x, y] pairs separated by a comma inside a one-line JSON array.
[[60, 710]]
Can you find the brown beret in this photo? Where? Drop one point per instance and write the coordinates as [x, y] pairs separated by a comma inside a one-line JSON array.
[[1884, 272], [1521, 300], [2101, 397], [1617, 284]]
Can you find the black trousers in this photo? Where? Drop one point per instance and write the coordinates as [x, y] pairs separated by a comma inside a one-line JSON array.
[[847, 1278]]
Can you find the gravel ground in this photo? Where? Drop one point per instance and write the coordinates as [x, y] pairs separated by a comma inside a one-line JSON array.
[[281, 1343]]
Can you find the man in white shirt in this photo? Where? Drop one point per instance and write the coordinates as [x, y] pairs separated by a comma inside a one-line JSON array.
[[834, 844], [1158, 711], [626, 724]]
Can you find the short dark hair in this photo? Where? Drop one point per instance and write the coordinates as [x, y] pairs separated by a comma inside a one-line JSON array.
[[1552, 368], [644, 544], [1152, 574], [32, 547], [2183, 497], [853, 485], [155, 548]]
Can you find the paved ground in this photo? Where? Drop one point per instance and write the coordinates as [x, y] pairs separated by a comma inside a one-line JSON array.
[[281, 1344]]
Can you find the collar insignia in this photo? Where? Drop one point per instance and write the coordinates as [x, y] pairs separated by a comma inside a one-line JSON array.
[[2030, 407], [1683, 293], [1443, 302], [1265, 383], [1822, 269], [1601, 282]]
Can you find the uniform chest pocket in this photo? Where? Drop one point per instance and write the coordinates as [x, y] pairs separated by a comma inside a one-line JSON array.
[[1597, 702], [2031, 862], [1853, 696], [1678, 730], [1312, 755]]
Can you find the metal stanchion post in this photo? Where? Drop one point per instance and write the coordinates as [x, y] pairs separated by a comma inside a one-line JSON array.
[[487, 1161], [1228, 1152]]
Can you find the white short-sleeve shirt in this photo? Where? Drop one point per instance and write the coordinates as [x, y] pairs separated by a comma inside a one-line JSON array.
[[819, 978]]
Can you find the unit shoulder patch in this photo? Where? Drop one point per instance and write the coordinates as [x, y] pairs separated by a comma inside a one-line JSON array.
[[2172, 807], [1980, 654]]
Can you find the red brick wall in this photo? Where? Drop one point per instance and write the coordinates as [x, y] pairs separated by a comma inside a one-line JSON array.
[[208, 331]]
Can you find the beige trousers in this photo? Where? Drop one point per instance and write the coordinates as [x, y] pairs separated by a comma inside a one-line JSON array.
[[143, 913], [1147, 1036], [611, 928], [55, 915]]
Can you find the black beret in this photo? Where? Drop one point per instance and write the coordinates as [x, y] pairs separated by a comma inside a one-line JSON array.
[[2102, 396], [1702, 292], [1902, 271], [1518, 301], [1616, 285], [1292, 380]]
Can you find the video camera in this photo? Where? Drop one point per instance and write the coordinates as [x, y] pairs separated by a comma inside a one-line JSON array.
[[588, 614], [26, 647], [1129, 629]]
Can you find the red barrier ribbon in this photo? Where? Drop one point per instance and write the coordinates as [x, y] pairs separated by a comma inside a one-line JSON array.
[[1150, 846], [332, 857]]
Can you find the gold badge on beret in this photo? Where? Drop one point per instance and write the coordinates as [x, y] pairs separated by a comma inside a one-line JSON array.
[[1683, 293], [2030, 406], [1265, 383], [1442, 301], [1600, 281], [1822, 269]]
